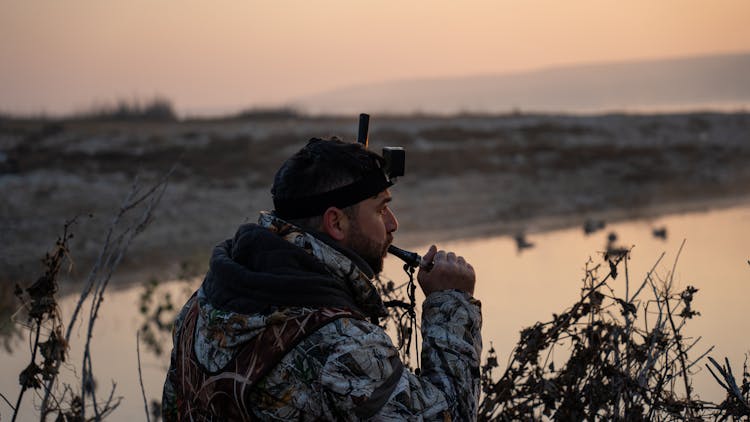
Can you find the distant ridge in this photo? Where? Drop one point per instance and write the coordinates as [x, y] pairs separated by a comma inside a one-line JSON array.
[[704, 82]]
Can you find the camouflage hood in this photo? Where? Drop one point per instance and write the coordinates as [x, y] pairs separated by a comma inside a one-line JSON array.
[[274, 264], [277, 332]]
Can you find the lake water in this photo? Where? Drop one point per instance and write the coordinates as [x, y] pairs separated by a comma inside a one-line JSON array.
[[516, 289]]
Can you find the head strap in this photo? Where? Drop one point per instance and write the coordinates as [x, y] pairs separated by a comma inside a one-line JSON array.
[[309, 206]]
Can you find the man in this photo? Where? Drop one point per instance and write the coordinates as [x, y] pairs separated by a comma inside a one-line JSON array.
[[284, 326]]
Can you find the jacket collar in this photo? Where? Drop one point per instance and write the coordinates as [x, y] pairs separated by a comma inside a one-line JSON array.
[[342, 262]]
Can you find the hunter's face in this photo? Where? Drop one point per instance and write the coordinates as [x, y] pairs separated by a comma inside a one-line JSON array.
[[372, 231]]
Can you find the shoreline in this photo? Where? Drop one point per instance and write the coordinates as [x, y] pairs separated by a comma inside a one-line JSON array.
[[549, 223]]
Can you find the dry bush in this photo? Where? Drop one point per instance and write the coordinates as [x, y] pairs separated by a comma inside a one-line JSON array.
[[156, 109], [626, 358], [50, 337]]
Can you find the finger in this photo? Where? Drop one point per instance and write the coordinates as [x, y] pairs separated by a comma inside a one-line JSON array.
[[430, 255], [425, 265], [461, 260], [439, 256]]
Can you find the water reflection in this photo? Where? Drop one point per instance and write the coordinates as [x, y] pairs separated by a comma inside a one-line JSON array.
[[10, 332], [113, 349], [516, 290]]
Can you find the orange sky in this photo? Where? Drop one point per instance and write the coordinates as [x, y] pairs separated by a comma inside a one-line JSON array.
[[219, 55]]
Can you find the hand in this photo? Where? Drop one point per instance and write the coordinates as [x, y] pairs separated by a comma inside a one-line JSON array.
[[448, 272]]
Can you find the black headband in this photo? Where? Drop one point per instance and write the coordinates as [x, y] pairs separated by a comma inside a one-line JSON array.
[[309, 206]]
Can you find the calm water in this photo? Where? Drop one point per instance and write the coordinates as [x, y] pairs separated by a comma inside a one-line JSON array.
[[516, 290]]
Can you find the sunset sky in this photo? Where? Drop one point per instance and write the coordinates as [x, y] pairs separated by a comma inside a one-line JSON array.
[[223, 55]]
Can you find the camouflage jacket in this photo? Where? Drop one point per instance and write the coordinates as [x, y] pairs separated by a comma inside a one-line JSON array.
[[283, 329]]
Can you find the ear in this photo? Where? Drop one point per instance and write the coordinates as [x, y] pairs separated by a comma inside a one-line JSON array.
[[335, 223]]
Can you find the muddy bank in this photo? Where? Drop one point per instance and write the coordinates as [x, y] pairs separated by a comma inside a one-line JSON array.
[[466, 176]]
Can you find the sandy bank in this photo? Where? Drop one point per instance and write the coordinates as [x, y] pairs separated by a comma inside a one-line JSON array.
[[466, 177]]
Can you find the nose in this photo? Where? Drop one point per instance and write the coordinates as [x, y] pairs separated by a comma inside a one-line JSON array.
[[391, 223]]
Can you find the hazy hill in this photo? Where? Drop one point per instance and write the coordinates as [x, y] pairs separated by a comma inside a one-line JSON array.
[[686, 83]]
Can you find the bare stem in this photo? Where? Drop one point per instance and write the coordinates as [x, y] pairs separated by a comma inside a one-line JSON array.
[[140, 375], [17, 408], [113, 250], [7, 401]]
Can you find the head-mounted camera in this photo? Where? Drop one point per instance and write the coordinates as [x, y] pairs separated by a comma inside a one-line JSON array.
[[395, 157]]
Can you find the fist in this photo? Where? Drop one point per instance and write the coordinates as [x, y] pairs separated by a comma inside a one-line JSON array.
[[441, 270]]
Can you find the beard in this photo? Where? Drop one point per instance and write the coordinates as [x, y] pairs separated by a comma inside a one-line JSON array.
[[369, 250]]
